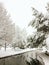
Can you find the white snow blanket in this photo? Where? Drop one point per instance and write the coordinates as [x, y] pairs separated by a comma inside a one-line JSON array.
[[11, 52]]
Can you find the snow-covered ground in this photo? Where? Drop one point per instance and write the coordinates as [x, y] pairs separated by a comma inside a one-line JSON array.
[[11, 51], [8, 52]]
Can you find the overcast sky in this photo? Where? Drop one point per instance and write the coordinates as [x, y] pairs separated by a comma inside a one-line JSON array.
[[21, 11]]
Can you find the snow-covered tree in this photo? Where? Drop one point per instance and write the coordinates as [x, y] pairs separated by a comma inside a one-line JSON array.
[[41, 23], [7, 29], [20, 38]]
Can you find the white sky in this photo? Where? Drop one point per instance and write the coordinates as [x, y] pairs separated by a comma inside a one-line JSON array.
[[21, 11]]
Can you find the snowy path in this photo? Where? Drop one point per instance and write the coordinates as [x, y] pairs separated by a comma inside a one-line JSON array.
[[11, 52]]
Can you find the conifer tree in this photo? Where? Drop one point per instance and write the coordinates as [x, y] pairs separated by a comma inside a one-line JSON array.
[[41, 23]]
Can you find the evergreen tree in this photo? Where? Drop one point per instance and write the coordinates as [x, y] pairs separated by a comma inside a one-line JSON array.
[[41, 23]]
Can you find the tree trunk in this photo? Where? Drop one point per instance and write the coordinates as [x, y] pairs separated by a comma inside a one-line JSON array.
[[5, 46]]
